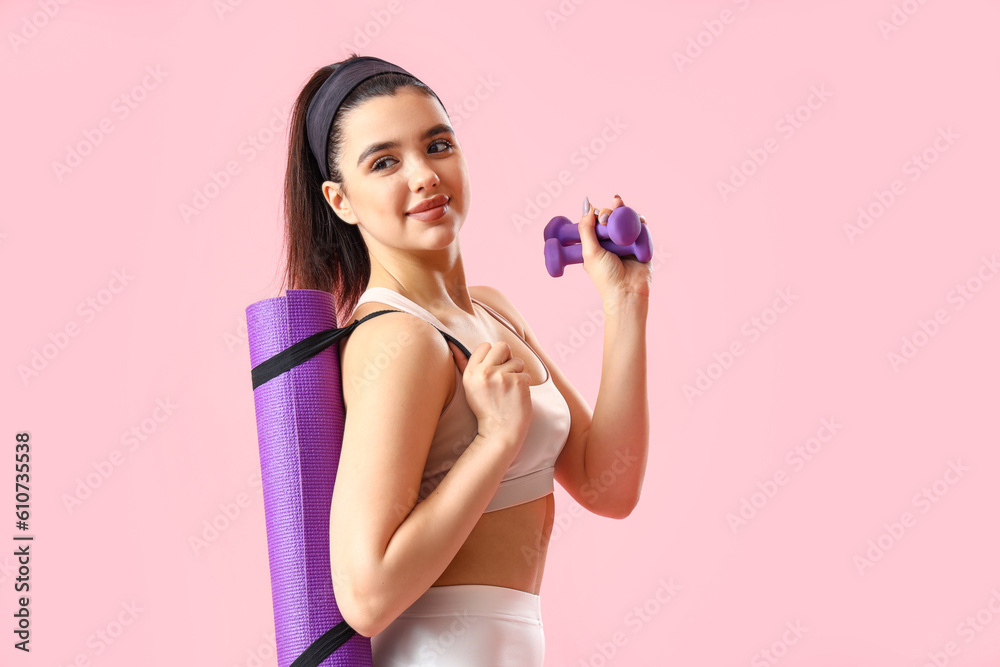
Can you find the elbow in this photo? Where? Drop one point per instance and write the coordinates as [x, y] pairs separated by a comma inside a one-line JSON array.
[[628, 511], [360, 622], [359, 613], [358, 606], [620, 513], [612, 511], [609, 506], [623, 509]]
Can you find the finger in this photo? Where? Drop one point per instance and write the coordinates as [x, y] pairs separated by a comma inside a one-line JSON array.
[[593, 211], [606, 212], [479, 353], [588, 235], [500, 352], [513, 365], [602, 215]]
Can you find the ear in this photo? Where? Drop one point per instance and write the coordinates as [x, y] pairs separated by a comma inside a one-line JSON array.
[[334, 196]]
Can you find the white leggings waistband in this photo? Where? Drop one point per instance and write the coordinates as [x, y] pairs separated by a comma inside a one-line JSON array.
[[462, 625], [477, 600]]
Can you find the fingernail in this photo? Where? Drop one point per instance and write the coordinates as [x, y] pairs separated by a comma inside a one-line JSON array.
[[603, 218], [616, 196], [586, 205]]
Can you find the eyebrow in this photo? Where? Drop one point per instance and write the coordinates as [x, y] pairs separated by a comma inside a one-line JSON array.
[[375, 148]]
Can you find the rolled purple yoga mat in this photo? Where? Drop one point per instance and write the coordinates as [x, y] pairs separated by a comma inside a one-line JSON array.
[[300, 426]]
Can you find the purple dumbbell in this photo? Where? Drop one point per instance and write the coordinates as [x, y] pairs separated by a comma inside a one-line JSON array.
[[557, 256], [623, 226]]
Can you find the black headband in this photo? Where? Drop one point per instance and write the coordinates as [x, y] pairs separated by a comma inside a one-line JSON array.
[[324, 104]]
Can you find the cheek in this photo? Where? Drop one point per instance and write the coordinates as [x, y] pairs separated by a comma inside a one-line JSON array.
[[386, 199], [459, 176]]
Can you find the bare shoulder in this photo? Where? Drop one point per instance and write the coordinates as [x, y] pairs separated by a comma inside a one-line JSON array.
[[391, 351]]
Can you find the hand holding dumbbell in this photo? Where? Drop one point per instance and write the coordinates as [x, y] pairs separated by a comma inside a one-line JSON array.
[[624, 234], [623, 228]]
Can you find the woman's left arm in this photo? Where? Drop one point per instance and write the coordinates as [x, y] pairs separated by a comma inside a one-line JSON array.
[[603, 463]]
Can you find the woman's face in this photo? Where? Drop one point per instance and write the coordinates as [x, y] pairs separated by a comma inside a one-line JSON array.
[[400, 151]]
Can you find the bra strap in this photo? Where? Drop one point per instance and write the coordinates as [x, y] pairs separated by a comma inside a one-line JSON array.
[[501, 318]]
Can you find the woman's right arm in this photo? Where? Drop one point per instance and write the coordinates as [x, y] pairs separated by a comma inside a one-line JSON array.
[[385, 548]]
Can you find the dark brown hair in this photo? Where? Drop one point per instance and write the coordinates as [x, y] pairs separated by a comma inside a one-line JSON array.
[[324, 252]]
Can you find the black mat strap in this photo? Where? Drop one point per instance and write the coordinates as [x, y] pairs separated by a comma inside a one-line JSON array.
[[324, 646], [312, 345]]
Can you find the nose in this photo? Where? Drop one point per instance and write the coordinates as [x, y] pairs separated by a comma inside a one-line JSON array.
[[423, 175]]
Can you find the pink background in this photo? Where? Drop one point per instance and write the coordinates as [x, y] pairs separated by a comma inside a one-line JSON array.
[[175, 332]]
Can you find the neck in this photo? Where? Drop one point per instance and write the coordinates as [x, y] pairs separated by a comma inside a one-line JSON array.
[[435, 287]]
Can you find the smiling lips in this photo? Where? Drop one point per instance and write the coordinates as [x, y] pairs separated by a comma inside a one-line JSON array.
[[430, 209]]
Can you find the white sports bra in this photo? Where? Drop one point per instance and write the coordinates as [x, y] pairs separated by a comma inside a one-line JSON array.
[[530, 475]]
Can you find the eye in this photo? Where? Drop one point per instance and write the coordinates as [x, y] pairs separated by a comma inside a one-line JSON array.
[[447, 144], [378, 164]]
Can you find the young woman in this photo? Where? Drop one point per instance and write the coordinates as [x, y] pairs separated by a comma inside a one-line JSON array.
[[443, 505]]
